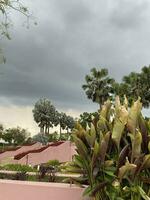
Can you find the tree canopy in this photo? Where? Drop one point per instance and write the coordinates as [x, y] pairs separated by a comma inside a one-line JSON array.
[[65, 122], [44, 114], [87, 118], [136, 85], [99, 86], [15, 136], [70, 122], [40, 138]]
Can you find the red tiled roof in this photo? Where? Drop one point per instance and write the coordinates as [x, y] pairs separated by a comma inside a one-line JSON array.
[[16, 148], [10, 149], [21, 155]]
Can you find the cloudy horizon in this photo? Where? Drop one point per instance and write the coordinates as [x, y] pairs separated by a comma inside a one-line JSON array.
[[51, 59]]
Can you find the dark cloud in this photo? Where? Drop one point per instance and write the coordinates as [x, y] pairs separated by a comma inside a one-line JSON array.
[[51, 59], [73, 13], [129, 14]]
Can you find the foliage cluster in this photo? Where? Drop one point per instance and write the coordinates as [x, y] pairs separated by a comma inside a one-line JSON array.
[[54, 163], [46, 116], [52, 137], [50, 168], [14, 136], [17, 167], [99, 86], [88, 118], [114, 154]]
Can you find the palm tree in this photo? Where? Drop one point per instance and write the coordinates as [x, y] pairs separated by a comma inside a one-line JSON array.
[[87, 118], [44, 114], [70, 123], [99, 86], [62, 122]]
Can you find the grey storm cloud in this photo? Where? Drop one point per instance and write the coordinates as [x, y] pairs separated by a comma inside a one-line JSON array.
[[51, 59], [129, 14]]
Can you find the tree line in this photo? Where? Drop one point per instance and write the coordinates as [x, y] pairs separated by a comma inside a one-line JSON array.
[[14, 136], [99, 86], [46, 116]]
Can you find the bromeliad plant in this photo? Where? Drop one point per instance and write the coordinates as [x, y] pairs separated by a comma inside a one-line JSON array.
[[114, 154]]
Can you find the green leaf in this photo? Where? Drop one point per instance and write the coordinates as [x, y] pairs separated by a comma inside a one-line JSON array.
[[81, 147], [98, 187], [110, 173], [78, 161], [95, 153], [75, 169], [87, 191], [142, 193], [146, 163], [119, 123], [104, 146], [125, 169], [134, 114], [136, 144]]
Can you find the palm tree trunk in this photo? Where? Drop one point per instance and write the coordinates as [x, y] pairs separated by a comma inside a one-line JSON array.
[[42, 130], [100, 106], [60, 133]]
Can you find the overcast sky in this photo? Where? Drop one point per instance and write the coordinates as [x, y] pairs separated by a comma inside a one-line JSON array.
[[72, 36]]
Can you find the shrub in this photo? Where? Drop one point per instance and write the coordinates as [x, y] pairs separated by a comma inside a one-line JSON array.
[[17, 167], [22, 176], [114, 154], [54, 163], [50, 168]]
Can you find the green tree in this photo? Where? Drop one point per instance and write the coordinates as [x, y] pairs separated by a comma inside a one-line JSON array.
[[65, 122], [1, 130], [99, 86], [136, 85], [29, 141], [45, 115], [62, 122], [40, 138], [20, 135], [87, 118], [70, 123], [53, 137], [145, 82], [8, 136], [15, 136]]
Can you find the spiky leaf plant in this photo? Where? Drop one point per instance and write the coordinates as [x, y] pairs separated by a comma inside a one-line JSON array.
[[113, 155]]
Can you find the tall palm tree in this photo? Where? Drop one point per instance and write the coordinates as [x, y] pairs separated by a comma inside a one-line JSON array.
[[99, 86], [44, 114]]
